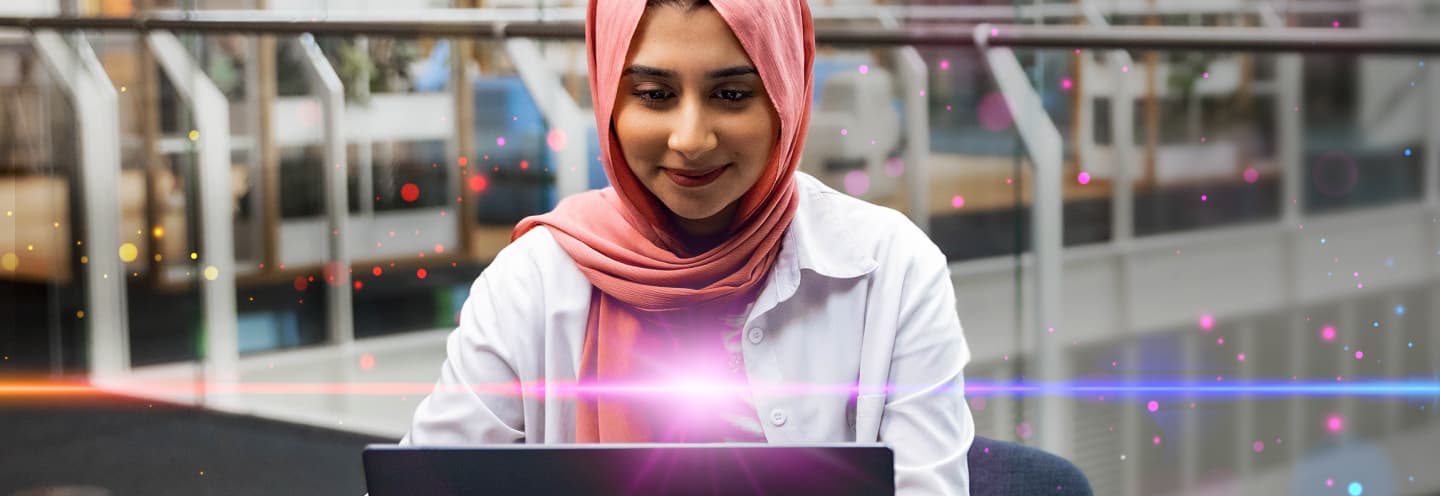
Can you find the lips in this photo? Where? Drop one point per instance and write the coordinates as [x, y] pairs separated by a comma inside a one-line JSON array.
[[695, 179]]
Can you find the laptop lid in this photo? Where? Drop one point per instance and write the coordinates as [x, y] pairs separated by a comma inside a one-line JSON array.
[[624, 469]]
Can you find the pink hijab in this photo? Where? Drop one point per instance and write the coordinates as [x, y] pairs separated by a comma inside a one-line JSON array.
[[622, 238]]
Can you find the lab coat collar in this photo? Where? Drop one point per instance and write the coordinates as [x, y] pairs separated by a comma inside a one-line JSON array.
[[816, 241], [822, 239]]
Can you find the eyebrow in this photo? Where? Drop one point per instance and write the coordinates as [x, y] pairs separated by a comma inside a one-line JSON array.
[[739, 70]]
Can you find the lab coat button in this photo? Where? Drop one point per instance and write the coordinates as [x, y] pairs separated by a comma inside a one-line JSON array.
[[777, 417], [756, 335]]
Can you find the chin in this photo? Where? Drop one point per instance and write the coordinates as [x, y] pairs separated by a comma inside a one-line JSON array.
[[694, 212]]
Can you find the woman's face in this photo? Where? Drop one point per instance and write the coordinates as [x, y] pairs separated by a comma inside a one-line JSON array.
[[692, 116]]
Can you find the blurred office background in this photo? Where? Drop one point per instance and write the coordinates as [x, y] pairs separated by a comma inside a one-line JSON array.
[[194, 221]]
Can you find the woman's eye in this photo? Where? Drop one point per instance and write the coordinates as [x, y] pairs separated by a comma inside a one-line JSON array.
[[651, 96], [733, 95]]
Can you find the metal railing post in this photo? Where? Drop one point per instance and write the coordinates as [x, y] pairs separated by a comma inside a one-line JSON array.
[[328, 88], [572, 174], [1043, 143], [915, 84], [97, 177], [217, 246]]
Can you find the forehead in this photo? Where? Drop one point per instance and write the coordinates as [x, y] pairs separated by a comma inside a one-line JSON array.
[[695, 41]]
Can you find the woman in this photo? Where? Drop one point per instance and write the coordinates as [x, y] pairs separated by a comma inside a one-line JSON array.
[[750, 301]]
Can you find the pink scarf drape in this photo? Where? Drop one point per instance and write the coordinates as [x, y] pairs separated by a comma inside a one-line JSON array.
[[622, 238]]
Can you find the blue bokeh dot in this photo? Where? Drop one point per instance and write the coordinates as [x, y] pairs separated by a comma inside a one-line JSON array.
[[1407, 152], [1399, 309], [1356, 489]]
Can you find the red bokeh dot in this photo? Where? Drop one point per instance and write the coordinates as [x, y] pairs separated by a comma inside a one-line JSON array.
[[301, 283], [420, 274], [524, 164], [410, 192], [367, 361], [439, 248], [478, 183], [376, 270], [359, 285], [463, 161]]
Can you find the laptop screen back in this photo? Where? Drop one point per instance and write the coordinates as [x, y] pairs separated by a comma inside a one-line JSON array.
[[839, 469]]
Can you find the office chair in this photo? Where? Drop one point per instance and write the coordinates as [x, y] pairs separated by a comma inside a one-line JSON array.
[[999, 468]]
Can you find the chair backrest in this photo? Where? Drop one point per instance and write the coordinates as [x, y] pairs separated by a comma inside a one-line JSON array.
[[999, 468]]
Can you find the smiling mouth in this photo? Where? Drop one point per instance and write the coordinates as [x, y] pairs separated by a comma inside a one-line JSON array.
[[695, 179]]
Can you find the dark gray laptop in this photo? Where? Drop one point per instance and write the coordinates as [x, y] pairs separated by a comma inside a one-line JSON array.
[[631, 469]]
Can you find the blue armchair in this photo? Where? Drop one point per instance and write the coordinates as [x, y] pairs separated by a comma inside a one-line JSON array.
[[999, 468]]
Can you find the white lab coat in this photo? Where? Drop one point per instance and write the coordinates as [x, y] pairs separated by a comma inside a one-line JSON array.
[[859, 295]]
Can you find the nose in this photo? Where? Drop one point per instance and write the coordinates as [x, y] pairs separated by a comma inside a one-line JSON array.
[[693, 135]]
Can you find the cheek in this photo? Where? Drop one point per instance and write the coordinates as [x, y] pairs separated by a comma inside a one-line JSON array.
[[757, 136], [640, 139]]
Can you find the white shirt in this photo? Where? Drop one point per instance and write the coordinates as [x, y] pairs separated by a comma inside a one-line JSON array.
[[858, 295]]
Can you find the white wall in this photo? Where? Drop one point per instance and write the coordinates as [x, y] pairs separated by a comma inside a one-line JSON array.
[[30, 7]]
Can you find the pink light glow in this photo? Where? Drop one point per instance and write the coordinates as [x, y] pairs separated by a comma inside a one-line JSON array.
[[1327, 333], [556, 139], [1251, 175], [1083, 178], [958, 201], [1153, 406], [1334, 423], [1207, 322]]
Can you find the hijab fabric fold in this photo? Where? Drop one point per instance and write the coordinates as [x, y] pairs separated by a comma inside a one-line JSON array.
[[622, 238]]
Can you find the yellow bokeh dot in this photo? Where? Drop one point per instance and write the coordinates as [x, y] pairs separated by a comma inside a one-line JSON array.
[[9, 262], [194, 135], [79, 314], [158, 257], [128, 252], [56, 224], [122, 89], [158, 232], [9, 213], [194, 256], [211, 273], [84, 259], [29, 247]]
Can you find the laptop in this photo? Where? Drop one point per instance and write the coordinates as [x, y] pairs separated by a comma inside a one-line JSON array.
[[630, 469]]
